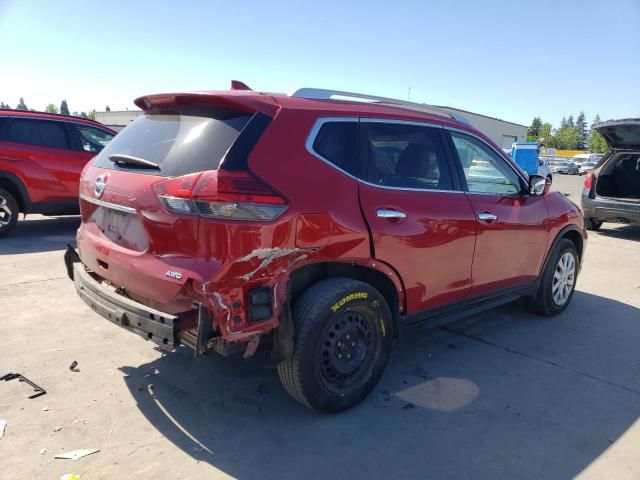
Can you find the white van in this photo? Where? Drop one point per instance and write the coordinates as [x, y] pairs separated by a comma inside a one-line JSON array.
[[586, 157]]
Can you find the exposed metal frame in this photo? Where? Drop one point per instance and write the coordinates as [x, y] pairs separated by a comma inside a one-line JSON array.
[[339, 95]]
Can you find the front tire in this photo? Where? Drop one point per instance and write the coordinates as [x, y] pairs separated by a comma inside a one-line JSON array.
[[8, 212], [343, 332], [592, 224], [558, 281]]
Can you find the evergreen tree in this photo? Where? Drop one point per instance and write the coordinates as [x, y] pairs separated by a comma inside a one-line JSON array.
[[107, 109], [563, 124], [83, 114], [581, 128], [64, 108], [21, 105], [534, 130], [92, 114], [51, 108], [570, 122]]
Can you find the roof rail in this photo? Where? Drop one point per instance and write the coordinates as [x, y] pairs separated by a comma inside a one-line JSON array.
[[324, 94]]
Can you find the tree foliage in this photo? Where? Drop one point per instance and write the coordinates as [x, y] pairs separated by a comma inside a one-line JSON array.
[[6, 106], [21, 105], [596, 142], [51, 108], [107, 109], [64, 108], [581, 128], [533, 134], [571, 134]]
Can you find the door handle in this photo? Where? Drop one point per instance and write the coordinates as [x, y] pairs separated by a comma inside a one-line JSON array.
[[388, 213], [487, 217]]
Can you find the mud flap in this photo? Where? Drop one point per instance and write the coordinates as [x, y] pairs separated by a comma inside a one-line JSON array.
[[283, 336], [70, 257]]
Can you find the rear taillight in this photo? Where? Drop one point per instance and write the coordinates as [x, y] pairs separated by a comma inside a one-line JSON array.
[[588, 181], [221, 194]]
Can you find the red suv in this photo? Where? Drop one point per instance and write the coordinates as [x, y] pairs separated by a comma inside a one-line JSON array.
[[318, 223], [41, 157]]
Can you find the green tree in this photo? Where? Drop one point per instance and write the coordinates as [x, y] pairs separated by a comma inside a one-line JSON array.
[[563, 124], [21, 105], [596, 142], [5, 106], [570, 122], [64, 108], [51, 108], [545, 134], [84, 115], [92, 114], [581, 128], [534, 130], [107, 109]]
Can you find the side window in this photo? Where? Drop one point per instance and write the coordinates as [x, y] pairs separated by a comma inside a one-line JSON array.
[[337, 142], [37, 132], [405, 156], [484, 170], [53, 135], [92, 139], [24, 131]]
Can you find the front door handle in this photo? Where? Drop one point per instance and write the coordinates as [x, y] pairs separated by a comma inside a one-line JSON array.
[[388, 213], [487, 217]]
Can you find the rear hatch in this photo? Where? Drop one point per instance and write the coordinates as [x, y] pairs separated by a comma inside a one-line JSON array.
[[143, 196], [621, 134]]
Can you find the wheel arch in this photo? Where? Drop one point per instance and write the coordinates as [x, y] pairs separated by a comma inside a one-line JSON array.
[[571, 232], [15, 186]]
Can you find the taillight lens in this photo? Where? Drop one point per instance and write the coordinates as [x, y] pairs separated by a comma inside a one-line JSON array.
[[221, 194], [588, 181]]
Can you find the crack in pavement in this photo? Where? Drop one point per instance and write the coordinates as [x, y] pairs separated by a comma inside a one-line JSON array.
[[543, 360], [31, 281]]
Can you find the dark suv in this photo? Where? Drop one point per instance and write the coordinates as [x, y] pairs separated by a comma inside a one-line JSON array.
[[318, 224], [41, 157], [612, 189]]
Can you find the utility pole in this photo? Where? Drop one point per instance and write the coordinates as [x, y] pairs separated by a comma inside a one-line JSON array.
[[409, 94]]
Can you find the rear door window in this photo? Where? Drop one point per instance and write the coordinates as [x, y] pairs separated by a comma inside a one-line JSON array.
[[179, 142], [41, 133], [405, 156]]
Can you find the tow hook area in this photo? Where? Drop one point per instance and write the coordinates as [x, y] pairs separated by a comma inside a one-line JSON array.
[[252, 346]]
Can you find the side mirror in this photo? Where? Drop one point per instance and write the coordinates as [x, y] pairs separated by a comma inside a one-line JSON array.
[[538, 185]]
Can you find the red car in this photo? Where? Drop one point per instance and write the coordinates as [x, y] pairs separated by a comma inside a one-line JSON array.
[[41, 157], [319, 224]]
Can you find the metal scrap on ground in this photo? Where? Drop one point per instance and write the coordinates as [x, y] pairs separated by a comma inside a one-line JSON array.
[[76, 454]]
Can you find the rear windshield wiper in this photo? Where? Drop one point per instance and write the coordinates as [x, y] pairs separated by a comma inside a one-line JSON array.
[[131, 160]]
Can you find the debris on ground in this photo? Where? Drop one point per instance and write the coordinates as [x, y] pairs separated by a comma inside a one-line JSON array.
[[45, 409], [12, 376], [3, 425], [57, 429], [76, 454], [43, 451], [74, 366]]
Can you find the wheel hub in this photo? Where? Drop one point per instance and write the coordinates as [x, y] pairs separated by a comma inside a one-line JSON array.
[[5, 212], [563, 278]]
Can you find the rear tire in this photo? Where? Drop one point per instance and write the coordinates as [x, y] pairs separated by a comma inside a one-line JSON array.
[[592, 224], [343, 332], [558, 281], [8, 212]]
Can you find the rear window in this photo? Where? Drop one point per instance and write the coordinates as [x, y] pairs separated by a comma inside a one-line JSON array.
[[179, 142]]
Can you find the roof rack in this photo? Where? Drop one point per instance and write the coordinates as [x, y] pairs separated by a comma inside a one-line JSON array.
[[324, 94]]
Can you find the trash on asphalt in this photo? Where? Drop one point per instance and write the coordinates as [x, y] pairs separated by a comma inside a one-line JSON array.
[[3, 425], [76, 454], [12, 376], [73, 366]]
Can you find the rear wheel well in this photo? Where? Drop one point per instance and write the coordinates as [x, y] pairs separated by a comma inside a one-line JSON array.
[[306, 276], [13, 189]]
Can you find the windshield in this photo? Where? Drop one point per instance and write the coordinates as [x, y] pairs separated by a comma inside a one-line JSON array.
[[178, 142]]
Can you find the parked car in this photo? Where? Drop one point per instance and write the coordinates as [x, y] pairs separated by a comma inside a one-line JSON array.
[[318, 224], [612, 190], [586, 167], [586, 158], [564, 166], [41, 157]]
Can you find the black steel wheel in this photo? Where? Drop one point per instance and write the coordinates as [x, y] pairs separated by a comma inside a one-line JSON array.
[[343, 331]]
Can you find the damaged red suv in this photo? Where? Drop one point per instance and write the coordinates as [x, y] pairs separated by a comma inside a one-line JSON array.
[[318, 224]]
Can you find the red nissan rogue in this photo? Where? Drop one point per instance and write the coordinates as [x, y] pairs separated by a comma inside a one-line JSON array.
[[41, 157], [319, 224]]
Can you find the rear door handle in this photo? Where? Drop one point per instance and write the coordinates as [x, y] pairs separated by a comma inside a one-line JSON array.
[[389, 213], [487, 217]]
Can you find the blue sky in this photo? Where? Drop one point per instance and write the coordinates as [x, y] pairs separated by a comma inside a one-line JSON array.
[[507, 59]]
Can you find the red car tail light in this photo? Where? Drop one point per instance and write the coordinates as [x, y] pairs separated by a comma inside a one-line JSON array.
[[588, 181], [221, 194]]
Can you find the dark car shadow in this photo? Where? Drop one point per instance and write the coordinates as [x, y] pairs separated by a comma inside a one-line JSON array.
[[503, 395], [40, 234], [625, 232]]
